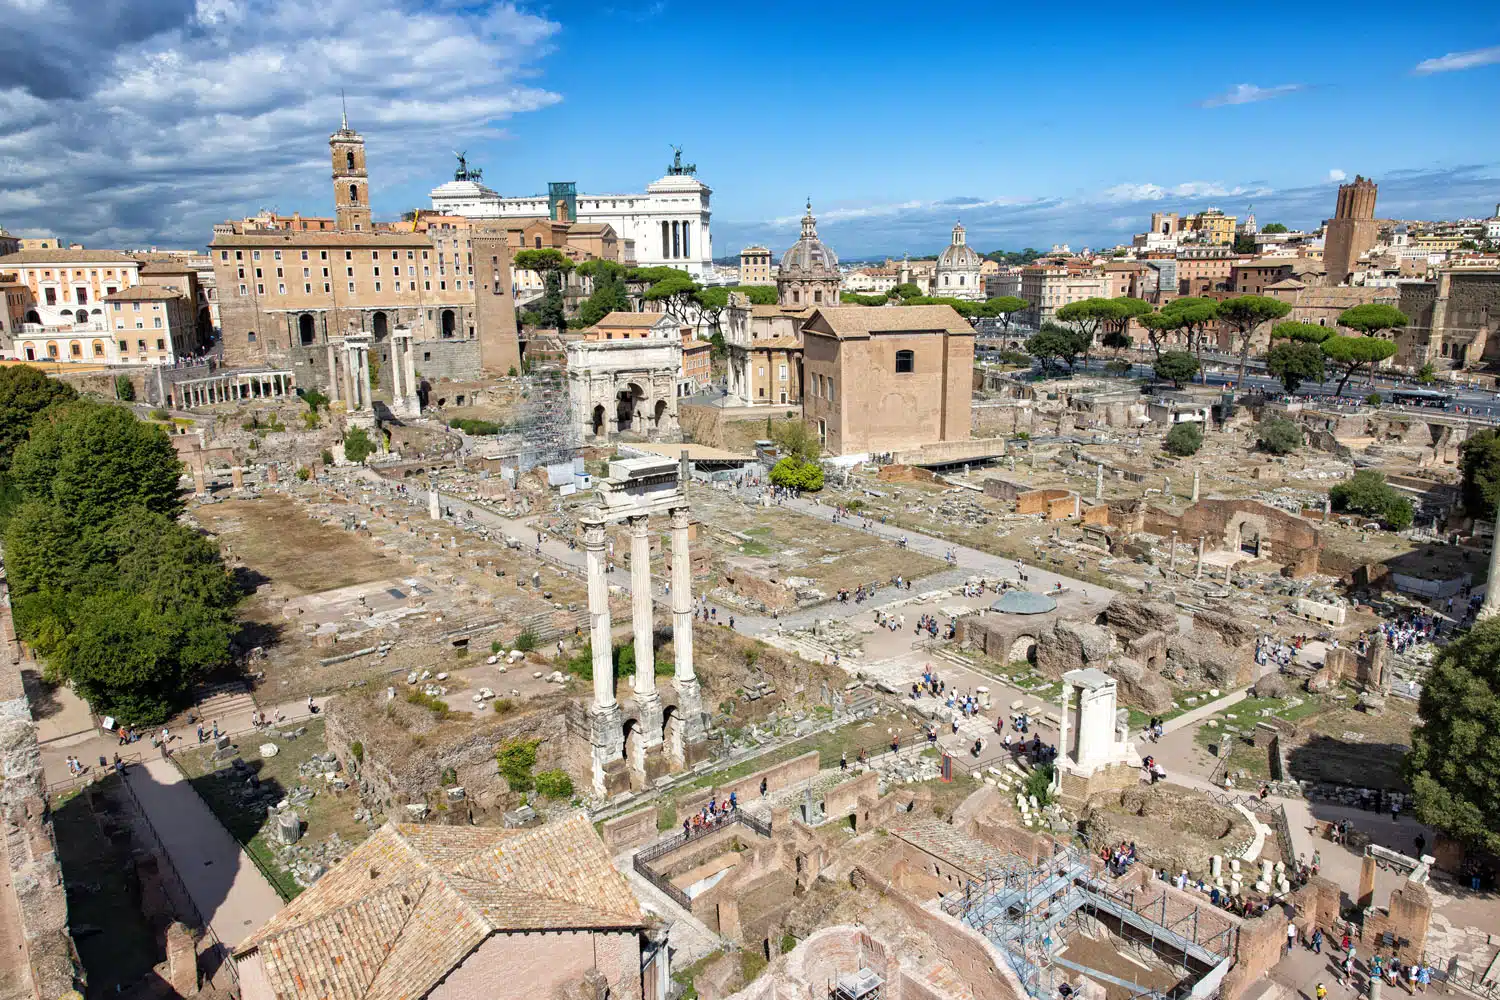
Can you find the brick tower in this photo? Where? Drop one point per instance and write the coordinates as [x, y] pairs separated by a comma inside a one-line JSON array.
[[351, 186], [1351, 231]]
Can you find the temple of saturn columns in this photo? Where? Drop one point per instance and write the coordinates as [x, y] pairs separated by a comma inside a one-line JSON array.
[[349, 372], [654, 728]]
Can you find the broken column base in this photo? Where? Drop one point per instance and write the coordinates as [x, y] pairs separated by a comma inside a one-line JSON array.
[[607, 738]]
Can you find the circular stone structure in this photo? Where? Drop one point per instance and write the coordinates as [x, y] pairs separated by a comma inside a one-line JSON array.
[[1023, 602], [1172, 827]]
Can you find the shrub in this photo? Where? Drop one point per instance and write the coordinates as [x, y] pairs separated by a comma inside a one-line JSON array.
[[476, 427], [124, 388], [160, 414], [554, 784], [503, 706], [1039, 783], [516, 758], [1279, 436], [448, 778], [495, 646], [1118, 367], [854, 505], [1184, 439], [1367, 493], [314, 399], [304, 473], [512, 372], [432, 703], [326, 456], [793, 473], [311, 420], [358, 750], [357, 445], [1374, 399], [526, 641]]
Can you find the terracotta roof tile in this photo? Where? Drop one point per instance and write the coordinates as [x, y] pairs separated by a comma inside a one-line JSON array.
[[407, 905], [861, 321], [631, 319], [66, 257]]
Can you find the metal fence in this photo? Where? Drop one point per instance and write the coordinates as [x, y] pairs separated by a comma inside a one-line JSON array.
[[641, 862], [1453, 974]]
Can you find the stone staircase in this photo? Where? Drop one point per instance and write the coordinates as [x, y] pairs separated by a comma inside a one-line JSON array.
[[221, 701]]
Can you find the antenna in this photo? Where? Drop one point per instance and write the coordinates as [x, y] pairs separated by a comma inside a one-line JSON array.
[[345, 105]]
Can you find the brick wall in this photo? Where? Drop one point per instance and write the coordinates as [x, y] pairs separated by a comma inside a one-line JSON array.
[[856, 797], [1043, 501], [1260, 943], [747, 789], [529, 965]]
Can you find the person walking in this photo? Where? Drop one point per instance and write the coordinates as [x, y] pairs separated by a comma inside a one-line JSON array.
[[1291, 936], [1317, 941]]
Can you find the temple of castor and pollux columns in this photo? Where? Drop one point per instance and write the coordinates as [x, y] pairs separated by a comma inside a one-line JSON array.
[[649, 726]]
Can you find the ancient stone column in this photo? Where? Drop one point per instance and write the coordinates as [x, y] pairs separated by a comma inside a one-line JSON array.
[[200, 483], [364, 378], [273, 473], [1196, 474], [434, 505], [1172, 564], [1099, 482], [599, 629], [333, 373], [237, 477], [1491, 603], [684, 678], [1199, 574], [640, 607], [409, 362]]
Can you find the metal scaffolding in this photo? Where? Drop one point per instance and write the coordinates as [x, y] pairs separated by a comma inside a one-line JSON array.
[[548, 436]]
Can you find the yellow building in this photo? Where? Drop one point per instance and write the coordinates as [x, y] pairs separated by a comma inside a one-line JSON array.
[[755, 266]]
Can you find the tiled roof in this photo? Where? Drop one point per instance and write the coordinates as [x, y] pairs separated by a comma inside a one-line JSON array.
[[796, 312], [145, 293], [861, 321], [630, 319], [407, 905], [166, 267], [66, 257]]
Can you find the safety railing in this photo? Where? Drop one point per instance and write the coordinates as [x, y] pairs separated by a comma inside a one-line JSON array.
[[641, 862]]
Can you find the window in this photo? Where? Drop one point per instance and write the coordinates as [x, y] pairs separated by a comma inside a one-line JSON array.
[[156, 322], [259, 273], [327, 287], [249, 337], [377, 286], [304, 256], [51, 296], [123, 347], [239, 255], [276, 254], [305, 272], [377, 270], [830, 389], [905, 362], [260, 289], [135, 306], [325, 272], [817, 296], [161, 345], [322, 254], [223, 254], [351, 286], [348, 254], [140, 347], [280, 273], [242, 289], [76, 349], [307, 288], [782, 375], [280, 289], [255, 255]]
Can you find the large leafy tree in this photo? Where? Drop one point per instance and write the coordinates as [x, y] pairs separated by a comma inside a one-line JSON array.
[[1372, 318], [1176, 367], [1307, 333], [94, 459], [1122, 310], [1479, 460], [609, 294], [553, 265], [25, 392], [1367, 493], [1350, 355], [1195, 315], [1004, 307], [1244, 315], [1088, 317], [676, 295], [1054, 345], [759, 295], [1158, 325], [1454, 764], [1295, 362]]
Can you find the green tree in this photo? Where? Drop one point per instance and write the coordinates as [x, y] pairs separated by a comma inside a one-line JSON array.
[[1350, 355], [793, 473], [1295, 362], [516, 758], [1274, 227], [711, 303], [1195, 315], [1279, 436], [1176, 367], [1244, 245], [676, 295], [553, 265], [1426, 375], [93, 459], [1158, 325], [1088, 316], [854, 299], [1454, 763], [1367, 493], [1184, 439], [906, 291], [1053, 345], [797, 439], [124, 389], [1372, 318], [609, 294], [357, 445], [759, 295], [1479, 462], [1307, 333], [314, 399], [1244, 315], [1004, 307], [25, 392], [1121, 311]]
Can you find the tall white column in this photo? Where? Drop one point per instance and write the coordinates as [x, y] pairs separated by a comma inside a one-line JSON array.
[[1196, 474], [333, 373], [410, 363], [1491, 605], [682, 599], [364, 378], [1199, 574], [396, 392], [350, 399], [599, 637], [640, 606]]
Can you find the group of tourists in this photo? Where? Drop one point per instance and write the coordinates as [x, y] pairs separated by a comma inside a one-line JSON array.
[[1119, 858], [713, 814]]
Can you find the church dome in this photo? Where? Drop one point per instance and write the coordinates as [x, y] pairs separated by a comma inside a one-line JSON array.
[[958, 255], [809, 257]]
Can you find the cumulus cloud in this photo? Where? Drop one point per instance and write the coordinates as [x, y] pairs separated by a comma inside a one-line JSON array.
[[1458, 60], [186, 112], [1336, 174], [1249, 93], [1108, 216]]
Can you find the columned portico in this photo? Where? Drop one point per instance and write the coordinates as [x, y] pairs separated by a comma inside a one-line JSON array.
[[404, 399], [647, 702], [606, 729]]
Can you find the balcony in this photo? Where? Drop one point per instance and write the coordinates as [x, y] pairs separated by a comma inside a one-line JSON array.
[[61, 330]]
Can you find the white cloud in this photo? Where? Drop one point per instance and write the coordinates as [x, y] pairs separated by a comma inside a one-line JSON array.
[[1458, 60], [1336, 174], [1249, 93], [189, 112]]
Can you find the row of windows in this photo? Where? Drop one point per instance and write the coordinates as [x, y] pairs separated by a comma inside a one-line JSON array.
[[823, 387], [307, 287], [322, 255], [140, 324], [75, 348]]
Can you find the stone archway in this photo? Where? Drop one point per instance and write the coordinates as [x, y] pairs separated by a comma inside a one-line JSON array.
[[599, 421], [1022, 650], [634, 750], [380, 326], [659, 412], [307, 331], [627, 406]]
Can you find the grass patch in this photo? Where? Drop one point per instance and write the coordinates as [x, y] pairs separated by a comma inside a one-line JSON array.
[[754, 548], [326, 814], [758, 531], [685, 975], [752, 964], [1306, 710], [849, 739]]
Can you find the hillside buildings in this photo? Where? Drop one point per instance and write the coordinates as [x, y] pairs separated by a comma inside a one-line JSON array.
[[668, 223], [287, 296]]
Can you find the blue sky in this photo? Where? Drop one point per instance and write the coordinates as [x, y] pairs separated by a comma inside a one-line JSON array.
[[1035, 123]]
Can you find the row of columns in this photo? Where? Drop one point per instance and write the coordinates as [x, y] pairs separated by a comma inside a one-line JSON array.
[[353, 384], [405, 401], [233, 388], [236, 478], [606, 724]]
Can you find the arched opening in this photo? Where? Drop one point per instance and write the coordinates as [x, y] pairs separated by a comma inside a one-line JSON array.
[[81, 315], [307, 331], [1249, 540], [626, 403], [598, 421], [32, 316], [380, 326], [205, 324], [671, 726], [354, 194], [634, 751], [98, 348], [349, 159], [448, 322], [1023, 649], [661, 411]]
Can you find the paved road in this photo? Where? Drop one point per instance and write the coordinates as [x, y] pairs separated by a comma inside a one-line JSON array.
[[227, 888]]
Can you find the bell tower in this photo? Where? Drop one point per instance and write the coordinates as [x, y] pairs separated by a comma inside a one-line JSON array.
[[351, 185]]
